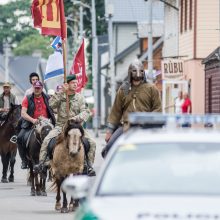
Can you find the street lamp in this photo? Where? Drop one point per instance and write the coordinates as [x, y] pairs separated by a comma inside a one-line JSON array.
[[110, 12], [94, 56]]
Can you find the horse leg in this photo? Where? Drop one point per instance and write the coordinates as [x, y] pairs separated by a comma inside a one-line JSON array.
[[49, 176], [64, 209], [37, 184], [43, 178], [58, 197], [71, 207], [5, 162], [12, 163], [33, 191]]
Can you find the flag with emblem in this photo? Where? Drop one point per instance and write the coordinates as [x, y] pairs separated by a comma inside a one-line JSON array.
[[48, 15], [57, 44], [79, 67]]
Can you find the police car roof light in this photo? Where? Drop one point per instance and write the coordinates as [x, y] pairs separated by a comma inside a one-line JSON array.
[[144, 118]]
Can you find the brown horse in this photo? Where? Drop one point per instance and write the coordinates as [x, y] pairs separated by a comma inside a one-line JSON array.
[[8, 148], [68, 158], [40, 131]]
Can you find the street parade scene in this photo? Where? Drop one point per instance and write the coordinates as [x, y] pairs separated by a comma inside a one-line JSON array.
[[109, 109]]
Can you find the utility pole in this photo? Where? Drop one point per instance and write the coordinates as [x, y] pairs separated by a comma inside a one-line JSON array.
[[81, 7], [150, 42], [81, 21], [6, 51], [111, 52], [94, 67]]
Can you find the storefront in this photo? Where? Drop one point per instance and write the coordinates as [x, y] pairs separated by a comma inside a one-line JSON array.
[[173, 78]]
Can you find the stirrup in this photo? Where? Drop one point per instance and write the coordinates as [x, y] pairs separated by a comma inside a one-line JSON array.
[[13, 139]]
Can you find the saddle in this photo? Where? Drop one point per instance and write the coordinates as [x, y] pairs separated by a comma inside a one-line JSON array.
[[52, 143], [27, 137]]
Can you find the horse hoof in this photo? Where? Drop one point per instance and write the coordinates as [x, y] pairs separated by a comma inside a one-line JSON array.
[[4, 180], [11, 179], [43, 193], [71, 208], [38, 193], [33, 193], [58, 206], [64, 210]]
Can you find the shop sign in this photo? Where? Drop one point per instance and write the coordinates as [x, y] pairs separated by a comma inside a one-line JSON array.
[[172, 69]]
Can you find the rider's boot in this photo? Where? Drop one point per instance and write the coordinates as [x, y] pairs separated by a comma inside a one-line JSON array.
[[24, 164], [91, 171]]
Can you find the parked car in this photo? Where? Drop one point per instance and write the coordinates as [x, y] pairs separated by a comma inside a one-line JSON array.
[[165, 173]]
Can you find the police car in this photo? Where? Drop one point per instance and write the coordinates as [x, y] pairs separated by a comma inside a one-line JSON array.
[[166, 173]]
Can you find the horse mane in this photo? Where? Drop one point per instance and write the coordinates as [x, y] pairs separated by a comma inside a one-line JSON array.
[[13, 107], [43, 121], [73, 125], [67, 127]]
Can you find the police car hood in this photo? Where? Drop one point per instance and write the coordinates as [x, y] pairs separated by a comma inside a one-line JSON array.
[[156, 207]]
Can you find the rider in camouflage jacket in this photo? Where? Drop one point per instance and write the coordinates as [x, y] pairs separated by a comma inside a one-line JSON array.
[[77, 110]]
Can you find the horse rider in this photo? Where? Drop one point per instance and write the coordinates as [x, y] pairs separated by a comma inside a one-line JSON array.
[[33, 106], [6, 99], [33, 77], [134, 95], [77, 111]]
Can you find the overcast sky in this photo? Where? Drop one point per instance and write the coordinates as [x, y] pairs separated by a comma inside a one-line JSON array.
[[3, 1]]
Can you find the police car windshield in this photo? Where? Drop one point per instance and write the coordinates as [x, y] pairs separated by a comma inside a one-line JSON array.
[[169, 168]]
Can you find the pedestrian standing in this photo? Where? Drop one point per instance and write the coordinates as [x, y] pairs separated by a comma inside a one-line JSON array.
[[187, 104], [186, 108], [178, 103]]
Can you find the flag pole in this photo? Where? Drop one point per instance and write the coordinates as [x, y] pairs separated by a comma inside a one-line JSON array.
[[63, 25], [64, 58]]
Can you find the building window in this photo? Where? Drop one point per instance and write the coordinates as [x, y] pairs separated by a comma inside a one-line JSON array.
[[190, 14], [185, 17], [181, 16]]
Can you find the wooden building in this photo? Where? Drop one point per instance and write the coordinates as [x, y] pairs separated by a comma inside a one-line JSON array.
[[212, 82]]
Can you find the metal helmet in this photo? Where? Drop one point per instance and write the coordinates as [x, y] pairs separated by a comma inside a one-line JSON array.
[[136, 71]]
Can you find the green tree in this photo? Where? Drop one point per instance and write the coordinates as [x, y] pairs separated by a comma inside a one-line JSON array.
[[33, 43], [15, 22]]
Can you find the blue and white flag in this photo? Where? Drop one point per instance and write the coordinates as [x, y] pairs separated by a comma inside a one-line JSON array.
[[54, 66], [57, 44]]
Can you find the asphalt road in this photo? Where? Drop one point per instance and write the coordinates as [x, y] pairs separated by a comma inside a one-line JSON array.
[[17, 204]]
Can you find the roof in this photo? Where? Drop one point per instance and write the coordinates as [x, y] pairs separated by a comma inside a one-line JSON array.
[[20, 68], [134, 11], [124, 53], [215, 55], [156, 45]]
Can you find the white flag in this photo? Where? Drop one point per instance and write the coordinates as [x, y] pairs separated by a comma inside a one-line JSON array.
[[54, 66]]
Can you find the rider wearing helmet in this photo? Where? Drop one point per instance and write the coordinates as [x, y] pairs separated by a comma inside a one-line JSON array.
[[134, 95]]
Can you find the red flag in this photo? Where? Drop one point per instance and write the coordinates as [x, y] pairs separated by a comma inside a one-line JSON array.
[[49, 17], [79, 67]]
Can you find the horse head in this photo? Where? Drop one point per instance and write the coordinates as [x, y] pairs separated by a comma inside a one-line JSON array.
[[73, 134], [42, 128], [14, 115]]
